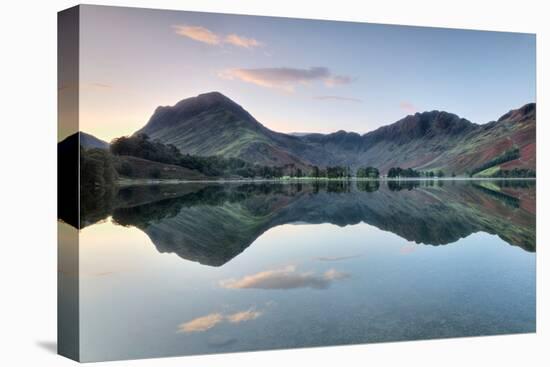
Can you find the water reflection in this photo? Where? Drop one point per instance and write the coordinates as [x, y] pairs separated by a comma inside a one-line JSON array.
[[213, 223], [337, 258], [300, 265], [207, 322], [285, 278]]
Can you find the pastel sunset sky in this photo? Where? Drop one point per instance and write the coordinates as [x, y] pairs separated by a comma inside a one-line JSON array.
[[293, 75]]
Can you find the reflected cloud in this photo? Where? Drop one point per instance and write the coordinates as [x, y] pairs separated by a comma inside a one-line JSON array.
[[221, 341], [270, 303], [285, 78], [243, 316], [285, 278], [333, 274], [201, 323], [337, 258], [207, 322]]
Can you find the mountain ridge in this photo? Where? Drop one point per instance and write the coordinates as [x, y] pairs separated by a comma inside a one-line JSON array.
[[213, 124], [89, 141]]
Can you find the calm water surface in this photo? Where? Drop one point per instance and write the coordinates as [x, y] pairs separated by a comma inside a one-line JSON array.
[[197, 268]]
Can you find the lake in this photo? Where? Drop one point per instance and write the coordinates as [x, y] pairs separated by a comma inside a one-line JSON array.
[[209, 268]]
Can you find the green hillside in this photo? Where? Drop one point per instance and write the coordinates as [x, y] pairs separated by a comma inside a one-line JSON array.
[[212, 124]]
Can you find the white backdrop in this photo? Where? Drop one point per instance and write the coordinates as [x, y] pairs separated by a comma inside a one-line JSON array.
[[28, 210]]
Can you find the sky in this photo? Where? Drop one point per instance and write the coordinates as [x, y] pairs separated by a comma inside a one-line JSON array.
[[294, 75]]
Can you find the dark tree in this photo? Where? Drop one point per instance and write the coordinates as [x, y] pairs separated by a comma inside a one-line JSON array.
[[315, 171], [96, 168], [142, 146]]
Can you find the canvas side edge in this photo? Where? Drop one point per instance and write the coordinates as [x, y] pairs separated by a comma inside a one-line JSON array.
[[68, 330]]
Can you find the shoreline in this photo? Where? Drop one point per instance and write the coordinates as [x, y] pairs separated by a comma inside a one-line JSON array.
[[150, 182]]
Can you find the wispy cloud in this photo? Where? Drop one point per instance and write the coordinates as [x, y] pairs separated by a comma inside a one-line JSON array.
[[196, 33], [100, 85], [87, 86], [242, 41], [285, 278], [338, 98], [105, 273], [338, 80], [205, 35], [285, 77], [207, 322], [407, 107]]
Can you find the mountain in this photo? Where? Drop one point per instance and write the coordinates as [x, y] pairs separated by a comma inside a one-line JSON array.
[[298, 134], [88, 141], [212, 124], [440, 140]]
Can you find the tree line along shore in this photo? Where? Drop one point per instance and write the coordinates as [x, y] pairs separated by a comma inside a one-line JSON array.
[[138, 158]]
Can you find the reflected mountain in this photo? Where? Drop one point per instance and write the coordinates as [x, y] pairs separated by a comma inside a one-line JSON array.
[[213, 223]]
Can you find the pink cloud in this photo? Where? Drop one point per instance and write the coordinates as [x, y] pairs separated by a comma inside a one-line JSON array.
[[285, 78], [407, 249], [196, 33], [201, 323], [204, 323], [408, 107], [243, 316], [205, 35], [241, 41]]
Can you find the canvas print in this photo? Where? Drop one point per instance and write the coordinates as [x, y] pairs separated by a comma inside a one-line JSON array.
[[234, 183]]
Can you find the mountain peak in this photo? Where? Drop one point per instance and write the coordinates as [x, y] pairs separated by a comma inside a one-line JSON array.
[[190, 108], [526, 111], [206, 98], [427, 124], [89, 141]]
